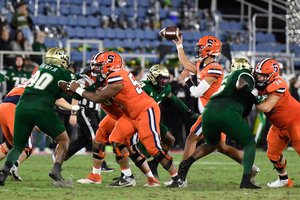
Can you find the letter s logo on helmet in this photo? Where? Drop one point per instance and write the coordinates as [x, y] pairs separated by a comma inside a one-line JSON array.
[[106, 62], [206, 46], [269, 67]]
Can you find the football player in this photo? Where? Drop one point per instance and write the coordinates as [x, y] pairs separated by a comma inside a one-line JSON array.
[[141, 112], [157, 86], [282, 110], [224, 112], [209, 76], [106, 128], [37, 101]]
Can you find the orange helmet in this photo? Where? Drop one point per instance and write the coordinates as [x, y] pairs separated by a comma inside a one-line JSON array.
[[269, 67], [105, 62], [206, 46]]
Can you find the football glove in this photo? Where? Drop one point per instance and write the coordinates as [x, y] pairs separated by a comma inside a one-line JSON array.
[[86, 71], [193, 114], [261, 98]]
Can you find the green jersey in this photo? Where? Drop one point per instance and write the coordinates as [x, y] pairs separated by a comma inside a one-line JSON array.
[[15, 78], [227, 94], [150, 90], [44, 88]]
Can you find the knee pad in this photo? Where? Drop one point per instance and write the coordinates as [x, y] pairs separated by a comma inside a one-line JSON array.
[[161, 155], [137, 154], [117, 150], [278, 163], [3, 150], [101, 151]]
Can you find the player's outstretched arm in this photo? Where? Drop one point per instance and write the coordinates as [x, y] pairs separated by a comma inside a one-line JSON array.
[[188, 65], [106, 93], [64, 104], [268, 104]]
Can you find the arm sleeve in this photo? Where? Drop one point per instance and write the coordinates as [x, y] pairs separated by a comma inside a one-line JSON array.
[[246, 95], [178, 103], [198, 91]]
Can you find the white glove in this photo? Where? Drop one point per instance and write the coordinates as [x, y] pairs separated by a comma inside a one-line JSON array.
[[75, 107]]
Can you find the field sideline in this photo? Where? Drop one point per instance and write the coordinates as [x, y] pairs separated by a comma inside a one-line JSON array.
[[213, 177]]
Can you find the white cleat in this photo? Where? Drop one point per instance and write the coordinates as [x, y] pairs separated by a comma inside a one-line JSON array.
[[14, 173], [92, 179], [152, 182], [254, 172], [184, 183], [281, 183]]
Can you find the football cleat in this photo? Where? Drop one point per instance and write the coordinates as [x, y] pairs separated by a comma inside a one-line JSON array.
[[183, 170], [124, 181], [4, 172], [105, 168], [254, 172], [14, 174], [152, 182], [54, 173], [281, 183], [177, 183], [92, 179]]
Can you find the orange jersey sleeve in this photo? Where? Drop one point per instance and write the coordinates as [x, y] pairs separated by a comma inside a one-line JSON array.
[[286, 109], [132, 99], [212, 69]]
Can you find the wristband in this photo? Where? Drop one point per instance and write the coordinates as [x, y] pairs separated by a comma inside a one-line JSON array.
[[179, 46], [75, 108], [79, 91]]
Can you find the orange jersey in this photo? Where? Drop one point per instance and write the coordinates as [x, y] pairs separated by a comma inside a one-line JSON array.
[[287, 108], [212, 69], [112, 109], [132, 99]]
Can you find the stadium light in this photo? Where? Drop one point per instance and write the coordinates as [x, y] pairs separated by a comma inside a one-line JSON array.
[[293, 16]]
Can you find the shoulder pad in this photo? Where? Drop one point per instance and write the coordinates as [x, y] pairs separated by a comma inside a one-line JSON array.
[[277, 87]]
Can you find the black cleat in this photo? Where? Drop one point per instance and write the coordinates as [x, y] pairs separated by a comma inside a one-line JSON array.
[[183, 170], [177, 183], [4, 172], [246, 183], [124, 181], [153, 164], [105, 168], [54, 173]]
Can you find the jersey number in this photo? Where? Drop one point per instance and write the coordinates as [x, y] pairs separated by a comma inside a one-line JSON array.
[[134, 82], [18, 80], [41, 82]]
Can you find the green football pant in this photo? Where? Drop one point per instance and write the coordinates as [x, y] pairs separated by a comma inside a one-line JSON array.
[[219, 118]]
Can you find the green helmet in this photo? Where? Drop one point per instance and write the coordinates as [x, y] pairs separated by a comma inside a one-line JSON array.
[[159, 76], [57, 56], [240, 63]]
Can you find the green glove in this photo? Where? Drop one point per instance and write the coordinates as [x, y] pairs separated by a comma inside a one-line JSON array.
[[192, 114], [261, 98]]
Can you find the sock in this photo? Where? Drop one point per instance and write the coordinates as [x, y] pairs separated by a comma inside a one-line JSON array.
[[283, 176], [8, 164], [191, 160], [149, 174], [57, 165], [175, 174], [14, 154], [17, 163], [248, 157], [96, 170], [126, 171]]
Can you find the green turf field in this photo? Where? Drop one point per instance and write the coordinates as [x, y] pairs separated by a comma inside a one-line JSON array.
[[213, 177]]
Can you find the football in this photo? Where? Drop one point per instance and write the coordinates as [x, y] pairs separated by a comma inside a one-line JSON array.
[[171, 32]]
